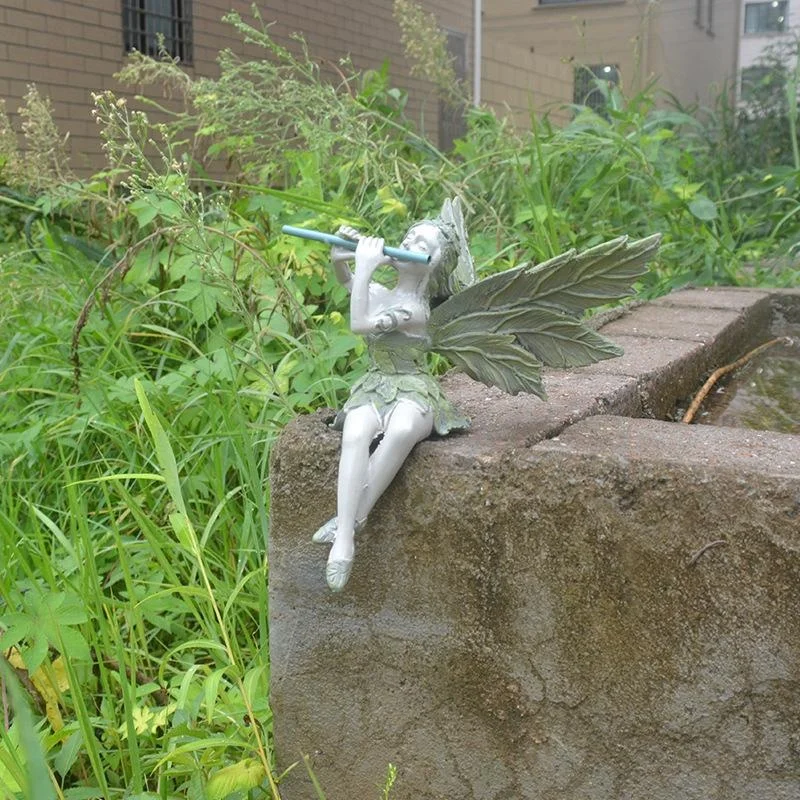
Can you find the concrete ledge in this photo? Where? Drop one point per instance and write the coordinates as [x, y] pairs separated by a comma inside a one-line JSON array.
[[532, 613]]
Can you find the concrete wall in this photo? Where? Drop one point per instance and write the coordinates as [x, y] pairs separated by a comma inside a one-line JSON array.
[[71, 48]]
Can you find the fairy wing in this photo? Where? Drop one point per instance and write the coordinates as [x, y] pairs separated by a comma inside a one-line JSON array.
[[502, 329]]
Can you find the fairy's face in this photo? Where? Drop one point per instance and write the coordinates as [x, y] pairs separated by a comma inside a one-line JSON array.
[[424, 238]]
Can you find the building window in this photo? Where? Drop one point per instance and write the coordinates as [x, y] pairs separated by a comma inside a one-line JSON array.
[[148, 25], [762, 84], [592, 83], [765, 17]]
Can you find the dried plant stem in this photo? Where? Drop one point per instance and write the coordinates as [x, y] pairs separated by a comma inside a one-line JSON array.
[[718, 373], [696, 555]]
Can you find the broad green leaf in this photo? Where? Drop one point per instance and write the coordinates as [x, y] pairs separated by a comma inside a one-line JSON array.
[[211, 690], [703, 208], [686, 191], [239, 777], [143, 210], [167, 207], [68, 753]]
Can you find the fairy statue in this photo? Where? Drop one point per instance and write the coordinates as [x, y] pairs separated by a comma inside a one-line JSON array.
[[500, 330]]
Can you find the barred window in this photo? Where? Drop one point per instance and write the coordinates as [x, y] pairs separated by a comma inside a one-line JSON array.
[[147, 23], [591, 83]]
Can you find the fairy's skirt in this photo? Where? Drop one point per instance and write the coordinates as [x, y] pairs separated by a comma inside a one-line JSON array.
[[398, 372]]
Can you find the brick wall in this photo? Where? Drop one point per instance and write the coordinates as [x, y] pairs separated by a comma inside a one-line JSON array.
[[71, 48]]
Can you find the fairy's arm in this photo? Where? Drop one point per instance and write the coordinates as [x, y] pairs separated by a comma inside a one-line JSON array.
[[370, 311], [340, 257]]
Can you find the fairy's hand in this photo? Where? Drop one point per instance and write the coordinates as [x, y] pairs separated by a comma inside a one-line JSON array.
[[339, 254], [370, 255]]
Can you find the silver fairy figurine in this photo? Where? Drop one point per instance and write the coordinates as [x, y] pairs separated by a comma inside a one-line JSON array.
[[499, 330]]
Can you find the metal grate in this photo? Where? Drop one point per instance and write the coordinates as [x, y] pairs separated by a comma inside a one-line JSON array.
[[589, 85], [147, 25]]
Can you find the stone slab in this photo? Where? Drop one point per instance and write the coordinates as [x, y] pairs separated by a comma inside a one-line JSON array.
[[731, 299], [527, 624], [571, 396]]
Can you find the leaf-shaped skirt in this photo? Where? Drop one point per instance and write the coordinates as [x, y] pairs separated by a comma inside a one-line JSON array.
[[399, 373]]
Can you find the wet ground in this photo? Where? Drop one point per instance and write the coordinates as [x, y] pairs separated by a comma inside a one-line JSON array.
[[762, 395]]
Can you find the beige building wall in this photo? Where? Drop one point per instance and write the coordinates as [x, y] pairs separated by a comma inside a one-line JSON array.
[[71, 48], [644, 39], [516, 83], [695, 58], [575, 33]]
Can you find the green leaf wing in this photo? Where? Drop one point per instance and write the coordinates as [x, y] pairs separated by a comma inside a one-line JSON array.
[[529, 316], [494, 359]]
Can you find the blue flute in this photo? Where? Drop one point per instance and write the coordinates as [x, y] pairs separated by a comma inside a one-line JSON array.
[[329, 238]]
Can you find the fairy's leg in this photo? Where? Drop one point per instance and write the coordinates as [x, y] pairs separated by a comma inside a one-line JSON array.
[[407, 425], [361, 426]]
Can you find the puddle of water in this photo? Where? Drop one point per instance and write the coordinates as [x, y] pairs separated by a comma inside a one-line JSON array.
[[762, 395]]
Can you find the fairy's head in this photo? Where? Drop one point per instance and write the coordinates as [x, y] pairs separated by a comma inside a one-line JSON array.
[[444, 239]]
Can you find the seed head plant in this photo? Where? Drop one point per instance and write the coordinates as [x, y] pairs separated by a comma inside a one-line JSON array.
[[45, 160], [425, 45]]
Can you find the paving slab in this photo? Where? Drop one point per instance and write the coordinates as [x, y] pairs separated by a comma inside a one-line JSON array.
[[731, 299]]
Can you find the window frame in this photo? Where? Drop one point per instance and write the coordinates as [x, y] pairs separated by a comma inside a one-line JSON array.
[[782, 10], [143, 21]]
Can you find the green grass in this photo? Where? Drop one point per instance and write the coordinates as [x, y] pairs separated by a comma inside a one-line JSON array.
[[133, 555]]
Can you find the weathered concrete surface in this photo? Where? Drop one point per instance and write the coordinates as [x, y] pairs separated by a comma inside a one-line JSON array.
[[525, 618]]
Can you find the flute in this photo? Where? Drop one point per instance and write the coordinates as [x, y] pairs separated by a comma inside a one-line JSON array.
[[393, 252]]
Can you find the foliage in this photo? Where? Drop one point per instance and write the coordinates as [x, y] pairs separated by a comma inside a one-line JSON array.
[[157, 333], [425, 45], [759, 132]]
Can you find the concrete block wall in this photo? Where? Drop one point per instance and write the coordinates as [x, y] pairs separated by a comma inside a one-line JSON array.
[[72, 48], [535, 610]]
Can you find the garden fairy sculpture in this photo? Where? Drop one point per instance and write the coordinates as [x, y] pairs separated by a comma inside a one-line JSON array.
[[499, 330]]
